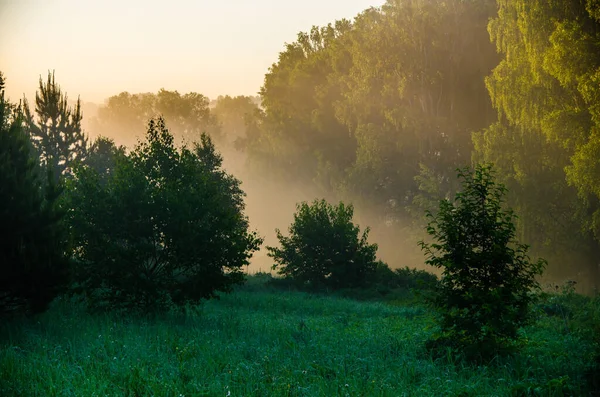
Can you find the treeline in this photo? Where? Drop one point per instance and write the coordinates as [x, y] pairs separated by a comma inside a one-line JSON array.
[[379, 111], [144, 229], [124, 117], [382, 110]]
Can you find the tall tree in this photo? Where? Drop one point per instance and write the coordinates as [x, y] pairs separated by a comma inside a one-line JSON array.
[[360, 109], [547, 90], [55, 128], [33, 268]]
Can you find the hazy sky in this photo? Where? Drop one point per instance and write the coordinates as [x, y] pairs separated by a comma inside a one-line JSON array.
[[99, 48]]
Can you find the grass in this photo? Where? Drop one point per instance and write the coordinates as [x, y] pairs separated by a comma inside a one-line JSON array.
[[257, 342]]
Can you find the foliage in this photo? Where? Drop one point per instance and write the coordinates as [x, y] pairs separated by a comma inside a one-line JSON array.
[[324, 247], [384, 284], [233, 114], [123, 117], [404, 278], [357, 108], [33, 267], [56, 131], [484, 294], [552, 217], [165, 226], [403, 286], [103, 155], [546, 91]]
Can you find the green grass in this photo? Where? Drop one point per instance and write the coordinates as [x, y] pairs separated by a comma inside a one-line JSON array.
[[270, 343]]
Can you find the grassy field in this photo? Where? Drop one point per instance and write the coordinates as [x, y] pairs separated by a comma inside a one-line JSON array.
[[272, 343]]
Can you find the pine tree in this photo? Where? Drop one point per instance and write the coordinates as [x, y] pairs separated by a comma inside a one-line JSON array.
[[33, 267], [56, 131]]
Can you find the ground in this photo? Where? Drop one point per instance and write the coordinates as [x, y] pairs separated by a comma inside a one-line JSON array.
[[257, 342]]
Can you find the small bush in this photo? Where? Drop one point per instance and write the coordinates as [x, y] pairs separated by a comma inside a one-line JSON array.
[[400, 284], [484, 294], [413, 279], [324, 248]]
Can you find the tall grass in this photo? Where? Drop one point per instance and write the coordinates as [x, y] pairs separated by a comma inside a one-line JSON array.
[[273, 343]]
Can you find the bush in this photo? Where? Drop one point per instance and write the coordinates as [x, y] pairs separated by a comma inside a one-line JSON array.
[[324, 249], [484, 294], [165, 226], [403, 278], [33, 267]]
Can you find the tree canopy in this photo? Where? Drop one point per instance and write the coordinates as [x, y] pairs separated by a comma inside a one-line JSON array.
[[124, 116], [55, 128], [164, 226], [358, 107]]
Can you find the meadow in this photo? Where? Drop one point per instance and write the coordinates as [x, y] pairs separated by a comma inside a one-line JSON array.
[[260, 341]]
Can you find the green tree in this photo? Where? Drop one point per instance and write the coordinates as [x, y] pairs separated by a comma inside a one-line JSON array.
[[552, 216], [33, 267], [166, 226], [56, 131], [546, 92], [414, 94], [103, 155], [233, 113], [123, 117], [359, 108], [484, 294], [324, 248]]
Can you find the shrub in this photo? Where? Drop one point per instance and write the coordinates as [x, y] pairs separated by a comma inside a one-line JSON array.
[[403, 284], [165, 226], [324, 248], [484, 294], [405, 278]]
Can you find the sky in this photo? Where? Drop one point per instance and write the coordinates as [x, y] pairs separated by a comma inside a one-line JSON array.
[[99, 48]]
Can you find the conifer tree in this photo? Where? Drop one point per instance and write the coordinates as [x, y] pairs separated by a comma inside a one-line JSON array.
[[56, 131], [33, 268]]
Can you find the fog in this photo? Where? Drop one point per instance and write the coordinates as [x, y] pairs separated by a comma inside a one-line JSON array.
[[271, 204]]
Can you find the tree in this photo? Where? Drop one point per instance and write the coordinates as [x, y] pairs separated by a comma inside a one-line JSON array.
[[166, 226], [358, 109], [552, 217], [546, 90], [103, 155], [123, 118], [56, 132], [33, 267], [233, 113], [487, 277], [324, 248]]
